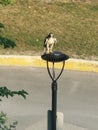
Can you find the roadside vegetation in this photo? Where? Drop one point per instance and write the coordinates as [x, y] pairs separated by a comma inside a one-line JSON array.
[[27, 22], [5, 92]]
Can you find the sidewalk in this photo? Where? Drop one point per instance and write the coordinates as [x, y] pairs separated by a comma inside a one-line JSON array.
[[36, 61]]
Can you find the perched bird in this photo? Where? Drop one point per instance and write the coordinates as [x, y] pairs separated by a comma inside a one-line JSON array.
[[49, 43]]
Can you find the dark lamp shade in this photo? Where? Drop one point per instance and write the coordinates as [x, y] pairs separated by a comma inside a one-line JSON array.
[[55, 57]]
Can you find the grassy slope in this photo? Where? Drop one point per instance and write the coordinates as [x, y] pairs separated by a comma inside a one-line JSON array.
[[74, 24]]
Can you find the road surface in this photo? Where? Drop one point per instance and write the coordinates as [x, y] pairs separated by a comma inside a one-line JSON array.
[[77, 96]]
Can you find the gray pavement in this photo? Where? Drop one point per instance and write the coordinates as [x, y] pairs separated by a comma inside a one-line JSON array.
[[42, 125], [77, 97]]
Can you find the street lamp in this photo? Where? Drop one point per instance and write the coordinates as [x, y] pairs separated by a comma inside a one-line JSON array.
[[54, 57]]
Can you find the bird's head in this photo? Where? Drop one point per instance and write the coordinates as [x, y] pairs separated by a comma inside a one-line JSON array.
[[51, 34]]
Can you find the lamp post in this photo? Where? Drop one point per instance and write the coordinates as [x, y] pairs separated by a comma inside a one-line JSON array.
[[54, 57]]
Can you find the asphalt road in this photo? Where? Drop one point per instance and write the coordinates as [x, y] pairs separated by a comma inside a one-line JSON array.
[[77, 96]]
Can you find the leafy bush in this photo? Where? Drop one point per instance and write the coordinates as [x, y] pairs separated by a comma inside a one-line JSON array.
[[5, 92], [3, 120]]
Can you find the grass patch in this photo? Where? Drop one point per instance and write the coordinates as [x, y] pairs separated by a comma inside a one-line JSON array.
[[74, 24]]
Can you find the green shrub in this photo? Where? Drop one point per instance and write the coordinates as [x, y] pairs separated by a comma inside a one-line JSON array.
[[5, 92], [6, 2], [3, 121]]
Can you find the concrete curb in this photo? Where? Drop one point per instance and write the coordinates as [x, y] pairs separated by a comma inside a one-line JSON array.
[[36, 61]]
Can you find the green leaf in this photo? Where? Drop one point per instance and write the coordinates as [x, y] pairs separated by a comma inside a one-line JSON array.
[[1, 25], [4, 91]]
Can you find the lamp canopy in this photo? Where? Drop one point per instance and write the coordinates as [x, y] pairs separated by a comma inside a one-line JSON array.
[[55, 57]]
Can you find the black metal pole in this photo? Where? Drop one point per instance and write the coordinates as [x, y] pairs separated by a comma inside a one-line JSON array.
[[54, 104], [54, 93], [54, 57]]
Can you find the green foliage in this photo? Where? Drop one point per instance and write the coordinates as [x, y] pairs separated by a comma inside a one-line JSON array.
[[3, 121], [5, 42], [6, 2], [5, 92], [1, 25]]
